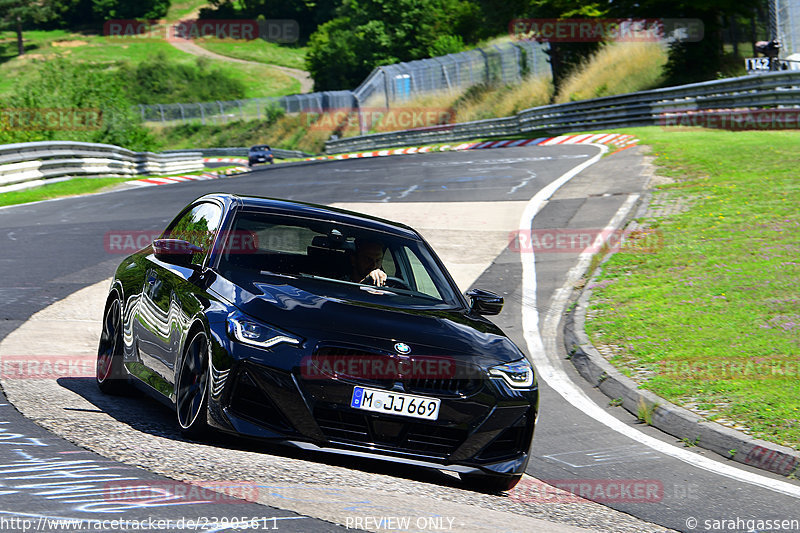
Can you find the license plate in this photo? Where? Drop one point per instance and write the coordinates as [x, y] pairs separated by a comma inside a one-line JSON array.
[[394, 403]]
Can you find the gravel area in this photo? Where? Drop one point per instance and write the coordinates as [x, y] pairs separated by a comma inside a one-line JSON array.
[[139, 431]]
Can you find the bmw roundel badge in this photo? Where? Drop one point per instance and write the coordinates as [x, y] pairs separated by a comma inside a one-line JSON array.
[[402, 348]]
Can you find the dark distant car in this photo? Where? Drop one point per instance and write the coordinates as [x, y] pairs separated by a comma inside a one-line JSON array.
[[260, 154], [247, 316]]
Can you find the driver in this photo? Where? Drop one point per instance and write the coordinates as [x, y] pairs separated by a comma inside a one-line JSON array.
[[367, 263]]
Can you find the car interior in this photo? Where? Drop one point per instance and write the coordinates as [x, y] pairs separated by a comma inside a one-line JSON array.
[[327, 256]]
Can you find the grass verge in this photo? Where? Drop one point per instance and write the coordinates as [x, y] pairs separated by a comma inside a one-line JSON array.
[[616, 69], [60, 189], [78, 186], [711, 319], [100, 52], [258, 50]]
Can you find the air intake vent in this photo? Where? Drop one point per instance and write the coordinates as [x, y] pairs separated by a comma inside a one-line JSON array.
[[249, 401]]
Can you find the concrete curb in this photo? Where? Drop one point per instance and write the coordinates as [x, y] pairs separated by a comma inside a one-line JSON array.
[[665, 416]]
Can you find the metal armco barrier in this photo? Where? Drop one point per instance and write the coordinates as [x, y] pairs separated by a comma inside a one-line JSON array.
[[239, 151], [647, 108], [51, 159]]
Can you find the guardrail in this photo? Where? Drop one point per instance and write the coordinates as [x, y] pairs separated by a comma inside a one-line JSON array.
[[646, 108], [240, 151], [23, 162]]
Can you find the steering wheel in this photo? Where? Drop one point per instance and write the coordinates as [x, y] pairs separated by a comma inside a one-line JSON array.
[[397, 283]]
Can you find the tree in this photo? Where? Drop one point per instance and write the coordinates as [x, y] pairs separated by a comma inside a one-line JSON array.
[[688, 61], [15, 14], [334, 56], [566, 56], [105, 10], [370, 33], [696, 60], [309, 14]]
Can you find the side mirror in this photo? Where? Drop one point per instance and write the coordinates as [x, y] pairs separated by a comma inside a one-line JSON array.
[[484, 302], [175, 251]]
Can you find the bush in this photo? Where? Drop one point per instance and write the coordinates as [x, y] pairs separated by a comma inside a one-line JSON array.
[[274, 112], [157, 80], [446, 44], [369, 33], [71, 90]]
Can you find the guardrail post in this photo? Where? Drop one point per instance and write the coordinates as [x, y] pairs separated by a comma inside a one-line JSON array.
[[486, 64], [385, 87], [358, 110], [444, 72]]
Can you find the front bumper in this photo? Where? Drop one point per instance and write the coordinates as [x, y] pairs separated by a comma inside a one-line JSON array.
[[487, 428]]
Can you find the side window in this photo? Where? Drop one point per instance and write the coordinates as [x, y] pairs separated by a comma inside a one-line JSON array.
[[198, 226], [389, 265], [423, 280], [286, 239]]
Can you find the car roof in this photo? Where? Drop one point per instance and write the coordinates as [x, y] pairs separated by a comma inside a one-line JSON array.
[[314, 211]]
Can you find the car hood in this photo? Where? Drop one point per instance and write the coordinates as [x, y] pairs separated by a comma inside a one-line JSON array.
[[326, 319]]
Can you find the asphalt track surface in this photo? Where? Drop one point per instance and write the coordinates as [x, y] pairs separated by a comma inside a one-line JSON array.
[[52, 249]]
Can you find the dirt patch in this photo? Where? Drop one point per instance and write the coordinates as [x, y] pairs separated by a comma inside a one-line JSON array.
[[69, 44]]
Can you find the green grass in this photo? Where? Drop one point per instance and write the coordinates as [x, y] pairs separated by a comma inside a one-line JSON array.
[[616, 69], [14, 70], [72, 187], [261, 81], [180, 9], [103, 52], [711, 320], [232, 134], [259, 51], [78, 186]]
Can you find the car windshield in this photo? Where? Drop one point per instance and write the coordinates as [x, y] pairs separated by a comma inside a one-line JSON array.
[[263, 148], [334, 259]]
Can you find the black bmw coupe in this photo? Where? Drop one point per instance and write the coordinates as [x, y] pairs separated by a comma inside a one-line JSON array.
[[323, 329]]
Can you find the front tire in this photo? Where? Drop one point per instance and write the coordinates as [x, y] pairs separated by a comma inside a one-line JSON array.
[[489, 483], [191, 397], [109, 372]]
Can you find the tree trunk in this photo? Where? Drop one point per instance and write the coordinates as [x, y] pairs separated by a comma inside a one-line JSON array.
[[20, 47]]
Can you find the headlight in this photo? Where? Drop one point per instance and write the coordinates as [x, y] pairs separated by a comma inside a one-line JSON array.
[[518, 374], [249, 331]]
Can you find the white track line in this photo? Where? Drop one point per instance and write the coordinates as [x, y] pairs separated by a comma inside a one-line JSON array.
[[558, 380]]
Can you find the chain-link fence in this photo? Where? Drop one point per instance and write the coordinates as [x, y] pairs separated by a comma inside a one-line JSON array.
[[504, 63], [786, 15], [220, 112]]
